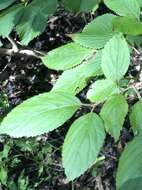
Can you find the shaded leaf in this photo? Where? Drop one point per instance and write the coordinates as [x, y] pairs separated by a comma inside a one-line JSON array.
[[136, 116], [80, 5], [5, 3], [34, 19], [129, 174], [127, 25], [10, 18]]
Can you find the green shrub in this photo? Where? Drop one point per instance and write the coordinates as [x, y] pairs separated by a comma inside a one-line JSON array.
[[102, 52]]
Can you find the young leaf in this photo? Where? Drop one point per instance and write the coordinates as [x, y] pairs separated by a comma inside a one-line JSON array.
[[113, 113], [6, 3], [82, 145], [115, 59], [80, 5], [10, 18], [97, 32], [127, 25], [129, 8], [66, 57], [39, 114], [136, 116], [101, 90], [34, 19], [74, 80], [129, 174]]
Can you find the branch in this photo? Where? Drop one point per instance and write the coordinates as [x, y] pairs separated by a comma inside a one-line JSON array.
[[13, 43], [11, 52], [15, 50]]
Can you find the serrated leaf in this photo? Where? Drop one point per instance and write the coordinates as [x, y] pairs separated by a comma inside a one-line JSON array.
[[113, 114], [127, 25], [97, 32], [136, 116], [39, 114], [82, 145], [129, 174], [6, 3], [115, 59], [10, 18], [34, 19], [102, 90], [74, 80], [128, 8], [66, 57], [80, 5]]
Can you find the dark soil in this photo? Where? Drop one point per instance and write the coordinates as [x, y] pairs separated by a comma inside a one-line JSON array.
[[23, 77]]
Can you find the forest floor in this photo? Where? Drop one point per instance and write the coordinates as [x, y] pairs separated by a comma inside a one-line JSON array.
[[35, 163]]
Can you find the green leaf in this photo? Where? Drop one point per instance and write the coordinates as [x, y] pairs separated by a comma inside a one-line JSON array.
[[66, 57], [113, 113], [136, 116], [102, 90], [9, 18], [140, 2], [129, 8], [39, 114], [80, 5], [129, 174], [3, 175], [115, 59], [34, 19], [97, 32], [82, 145], [6, 3], [127, 25], [134, 40], [74, 80]]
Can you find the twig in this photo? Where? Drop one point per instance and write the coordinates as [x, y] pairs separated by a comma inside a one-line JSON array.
[[11, 52], [15, 50], [87, 105], [136, 91], [13, 43], [137, 51]]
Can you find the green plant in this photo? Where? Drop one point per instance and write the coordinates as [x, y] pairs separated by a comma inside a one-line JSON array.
[[100, 53]]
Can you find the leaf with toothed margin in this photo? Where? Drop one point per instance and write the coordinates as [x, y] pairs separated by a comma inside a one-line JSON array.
[[39, 114], [96, 33], [115, 59], [102, 90], [82, 145], [113, 114], [74, 80], [66, 57], [34, 19], [129, 8]]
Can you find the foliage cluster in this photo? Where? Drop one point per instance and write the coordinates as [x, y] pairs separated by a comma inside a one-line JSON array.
[[101, 56]]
